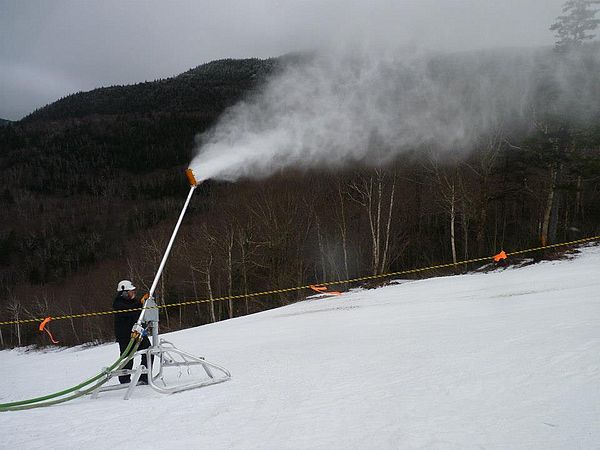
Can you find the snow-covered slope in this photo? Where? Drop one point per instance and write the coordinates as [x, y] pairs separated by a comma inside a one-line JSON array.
[[509, 359]]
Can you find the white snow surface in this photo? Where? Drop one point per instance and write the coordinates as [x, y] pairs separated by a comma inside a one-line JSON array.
[[507, 359]]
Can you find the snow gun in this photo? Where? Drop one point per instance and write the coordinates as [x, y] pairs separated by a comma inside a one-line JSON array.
[[160, 355], [150, 307]]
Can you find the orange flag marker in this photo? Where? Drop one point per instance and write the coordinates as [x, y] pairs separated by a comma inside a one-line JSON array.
[[323, 290], [43, 328], [500, 256]]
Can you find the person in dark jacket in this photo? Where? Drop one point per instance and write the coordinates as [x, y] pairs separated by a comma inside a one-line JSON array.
[[124, 321]]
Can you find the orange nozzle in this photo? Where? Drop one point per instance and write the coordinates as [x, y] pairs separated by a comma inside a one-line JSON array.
[[500, 256], [189, 173]]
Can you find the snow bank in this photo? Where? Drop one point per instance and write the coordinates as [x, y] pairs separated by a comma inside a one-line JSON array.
[[508, 359]]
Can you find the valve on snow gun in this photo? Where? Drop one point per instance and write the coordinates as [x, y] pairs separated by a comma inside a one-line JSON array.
[[138, 332], [149, 311]]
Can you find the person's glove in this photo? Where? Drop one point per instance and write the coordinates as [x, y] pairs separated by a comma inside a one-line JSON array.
[[144, 298]]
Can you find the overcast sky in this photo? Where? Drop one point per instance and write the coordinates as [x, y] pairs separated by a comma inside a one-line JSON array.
[[50, 48]]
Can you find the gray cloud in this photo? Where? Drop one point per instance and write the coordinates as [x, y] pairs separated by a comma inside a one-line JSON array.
[[66, 46]]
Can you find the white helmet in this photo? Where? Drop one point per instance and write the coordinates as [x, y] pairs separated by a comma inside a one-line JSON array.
[[125, 285]]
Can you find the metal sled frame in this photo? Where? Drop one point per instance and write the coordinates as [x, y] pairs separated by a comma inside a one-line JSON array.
[[165, 355]]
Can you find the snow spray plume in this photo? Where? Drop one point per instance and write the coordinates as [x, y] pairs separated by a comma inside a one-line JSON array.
[[337, 109]]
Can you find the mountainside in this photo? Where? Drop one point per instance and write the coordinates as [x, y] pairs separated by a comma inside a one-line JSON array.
[[507, 359], [4, 122], [206, 90], [119, 145], [83, 177], [91, 186]]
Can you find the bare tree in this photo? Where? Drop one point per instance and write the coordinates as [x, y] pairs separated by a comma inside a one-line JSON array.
[[369, 192], [242, 242], [341, 211], [554, 144], [483, 168], [229, 242], [209, 246], [15, 310], [448, 185], [188, 253], [206, 272], [249, 254]]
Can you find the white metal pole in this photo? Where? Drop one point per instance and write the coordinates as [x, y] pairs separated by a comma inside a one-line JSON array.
[[167, 251]]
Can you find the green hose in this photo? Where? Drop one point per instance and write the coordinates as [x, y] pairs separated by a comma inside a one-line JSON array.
[[40, 401], [77, 394]]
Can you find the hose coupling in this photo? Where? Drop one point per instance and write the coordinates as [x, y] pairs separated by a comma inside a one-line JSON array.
[[138, 332]]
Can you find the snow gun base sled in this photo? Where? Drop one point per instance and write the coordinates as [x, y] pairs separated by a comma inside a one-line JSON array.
[[163, 356]]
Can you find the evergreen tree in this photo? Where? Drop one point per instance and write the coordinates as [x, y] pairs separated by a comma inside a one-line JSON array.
[[573, 28]]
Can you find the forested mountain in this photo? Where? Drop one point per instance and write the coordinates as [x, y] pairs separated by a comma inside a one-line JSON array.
[[81, 178], [205, 90], [91, 185], [4, 122]]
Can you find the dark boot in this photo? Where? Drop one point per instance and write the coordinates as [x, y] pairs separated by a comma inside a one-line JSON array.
[[125, 378]]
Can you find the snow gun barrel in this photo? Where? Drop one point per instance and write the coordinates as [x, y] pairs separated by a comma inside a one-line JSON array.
[[137, 328]]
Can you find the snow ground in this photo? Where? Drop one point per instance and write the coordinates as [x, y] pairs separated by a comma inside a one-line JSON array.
[[509, 359]]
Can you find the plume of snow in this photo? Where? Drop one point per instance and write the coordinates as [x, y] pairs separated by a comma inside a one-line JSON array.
[[367, 107]]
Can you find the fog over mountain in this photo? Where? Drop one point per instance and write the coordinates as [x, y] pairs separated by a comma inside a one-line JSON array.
[[51, 49]]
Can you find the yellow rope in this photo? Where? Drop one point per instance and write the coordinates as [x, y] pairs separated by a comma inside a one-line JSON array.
[[299, 288]]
